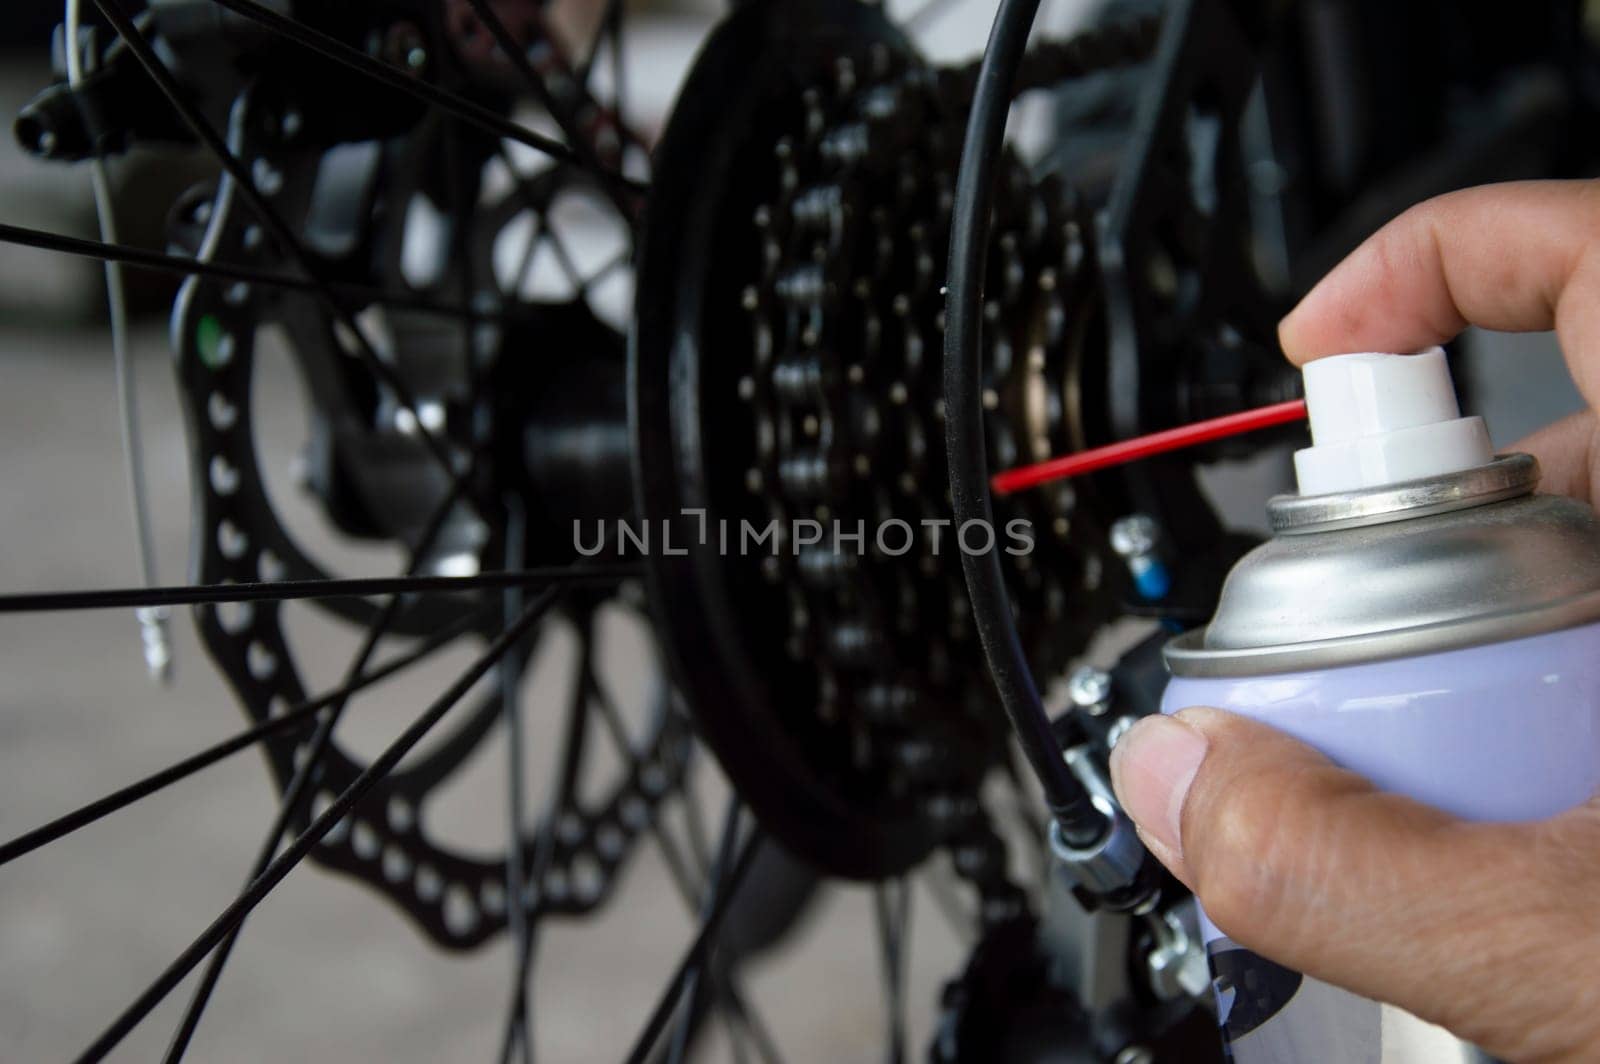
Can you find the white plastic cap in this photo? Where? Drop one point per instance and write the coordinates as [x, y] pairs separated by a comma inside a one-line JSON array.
[[1382, 419]]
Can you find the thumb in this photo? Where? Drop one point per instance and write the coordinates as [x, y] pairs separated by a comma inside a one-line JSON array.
[[1486, 929]]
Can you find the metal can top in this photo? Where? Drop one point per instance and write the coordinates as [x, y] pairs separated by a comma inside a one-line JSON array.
[[1447, 561]]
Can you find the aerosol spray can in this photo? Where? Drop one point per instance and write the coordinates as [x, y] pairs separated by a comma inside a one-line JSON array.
[[1422, 617]]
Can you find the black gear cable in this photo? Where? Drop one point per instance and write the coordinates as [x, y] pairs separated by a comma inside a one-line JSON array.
[[1081, 822]]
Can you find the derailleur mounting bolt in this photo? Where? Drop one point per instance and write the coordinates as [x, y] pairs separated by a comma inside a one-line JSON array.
[[1089, 689], [1137, 540]]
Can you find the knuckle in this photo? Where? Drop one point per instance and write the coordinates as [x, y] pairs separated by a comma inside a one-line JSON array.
[[1589, 205], [1392, 249], [1583, 220]]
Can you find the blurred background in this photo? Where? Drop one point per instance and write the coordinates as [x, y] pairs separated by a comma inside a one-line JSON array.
[[325, 971]]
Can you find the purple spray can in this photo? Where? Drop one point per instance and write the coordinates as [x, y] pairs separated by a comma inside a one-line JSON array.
[[1422, 617]]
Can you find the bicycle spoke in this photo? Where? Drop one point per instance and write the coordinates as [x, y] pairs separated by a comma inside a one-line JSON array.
[[627, 206], [610, 31], [694, 821], [609, 714], [536, 231], [562, 790], [302, 845], [292, 590], [892, 911], [693, 983], [305, 772], [961, 922], [569, 265], [289, 803], [541, 231], [143, 258], [458, 106], [610, 21], [517, 1034], [736, 1011], [516, 815], [577, 733], [588, 691], [616, 262], [739, 1018], [723, 984], [695, 955], [202, 128], [295, 718], [619, 85]]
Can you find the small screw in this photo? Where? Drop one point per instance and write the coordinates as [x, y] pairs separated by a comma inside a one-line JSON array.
[[404, 46], [1090, 689], [1134, 536], [157, 643], [268, 178], [1118, 729], [1136, 1055]]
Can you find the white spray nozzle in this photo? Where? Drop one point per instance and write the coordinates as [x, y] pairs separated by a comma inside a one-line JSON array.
[[1381, 419]]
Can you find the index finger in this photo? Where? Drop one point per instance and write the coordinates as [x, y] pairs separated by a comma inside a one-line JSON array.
[[1517, 257]]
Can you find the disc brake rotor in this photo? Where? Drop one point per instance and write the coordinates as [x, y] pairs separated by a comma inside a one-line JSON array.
[[376, 479]]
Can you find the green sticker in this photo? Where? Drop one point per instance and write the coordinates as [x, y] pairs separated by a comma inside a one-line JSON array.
[[214, 345]]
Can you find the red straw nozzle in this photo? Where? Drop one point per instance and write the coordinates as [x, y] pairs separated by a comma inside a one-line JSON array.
[[1124, 451]]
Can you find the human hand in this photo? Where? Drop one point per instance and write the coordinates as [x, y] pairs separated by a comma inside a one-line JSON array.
[[1487, 929]]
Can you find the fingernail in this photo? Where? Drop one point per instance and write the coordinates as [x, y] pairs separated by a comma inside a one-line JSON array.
[[1152, 766]]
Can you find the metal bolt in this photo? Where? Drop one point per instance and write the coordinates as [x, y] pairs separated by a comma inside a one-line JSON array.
[[404, 46], [1090, 689], [157, 644], [1134, 536], [1136, 1055], [268, 178], [1177, 959], [1118, 729]]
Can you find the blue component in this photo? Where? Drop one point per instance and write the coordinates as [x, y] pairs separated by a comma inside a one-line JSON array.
[[1151, 579]]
